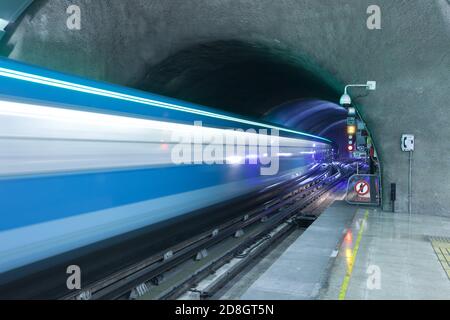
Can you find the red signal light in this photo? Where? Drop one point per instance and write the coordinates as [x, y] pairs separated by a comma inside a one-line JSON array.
[[350, 147]]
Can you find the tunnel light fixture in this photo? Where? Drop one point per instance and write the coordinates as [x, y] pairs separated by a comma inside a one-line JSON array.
[[346, 100]]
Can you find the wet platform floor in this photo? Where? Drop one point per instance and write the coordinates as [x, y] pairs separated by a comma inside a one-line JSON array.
[[353, 252]]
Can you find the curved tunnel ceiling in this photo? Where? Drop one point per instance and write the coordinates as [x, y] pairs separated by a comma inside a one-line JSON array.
[[249, 79], [408, 57], [246, 78]]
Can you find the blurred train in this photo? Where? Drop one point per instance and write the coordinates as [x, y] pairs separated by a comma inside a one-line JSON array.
[[86, 166]]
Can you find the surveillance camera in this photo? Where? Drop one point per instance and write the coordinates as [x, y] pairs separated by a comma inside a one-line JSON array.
[[345, 100]]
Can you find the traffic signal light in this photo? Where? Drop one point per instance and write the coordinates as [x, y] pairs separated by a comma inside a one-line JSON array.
[[351, 111], [351, 130]]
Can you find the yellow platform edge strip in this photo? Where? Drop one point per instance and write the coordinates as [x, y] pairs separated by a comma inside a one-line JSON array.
[[349, 272], [441, 247]]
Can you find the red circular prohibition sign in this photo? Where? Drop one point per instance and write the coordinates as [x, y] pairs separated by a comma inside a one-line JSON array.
[[362, 188]]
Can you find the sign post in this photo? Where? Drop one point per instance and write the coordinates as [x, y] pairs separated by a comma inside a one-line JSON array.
[[407, 145]]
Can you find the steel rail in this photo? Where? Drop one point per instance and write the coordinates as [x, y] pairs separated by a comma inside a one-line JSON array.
[[118, 284]]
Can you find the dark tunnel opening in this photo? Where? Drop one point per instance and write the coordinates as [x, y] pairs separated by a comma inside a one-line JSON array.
[[320, 117], [252, 80]]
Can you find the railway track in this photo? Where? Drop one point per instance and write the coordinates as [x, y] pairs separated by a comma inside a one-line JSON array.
[[248, 234], [263, 238]]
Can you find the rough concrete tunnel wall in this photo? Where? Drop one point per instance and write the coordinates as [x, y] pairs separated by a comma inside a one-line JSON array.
[[409, 57]]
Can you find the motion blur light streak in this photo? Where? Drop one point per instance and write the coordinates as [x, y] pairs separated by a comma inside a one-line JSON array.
[[235, 160], [40, 123], [22, 110], [86, 89], [94, 169], [285, 154]]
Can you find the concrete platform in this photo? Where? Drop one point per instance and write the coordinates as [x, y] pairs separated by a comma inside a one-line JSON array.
[[359, 253], [394, 258], [302, 270]]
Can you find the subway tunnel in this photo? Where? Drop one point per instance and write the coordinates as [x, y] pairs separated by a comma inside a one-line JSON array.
[[308, 54], [282, 63]]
